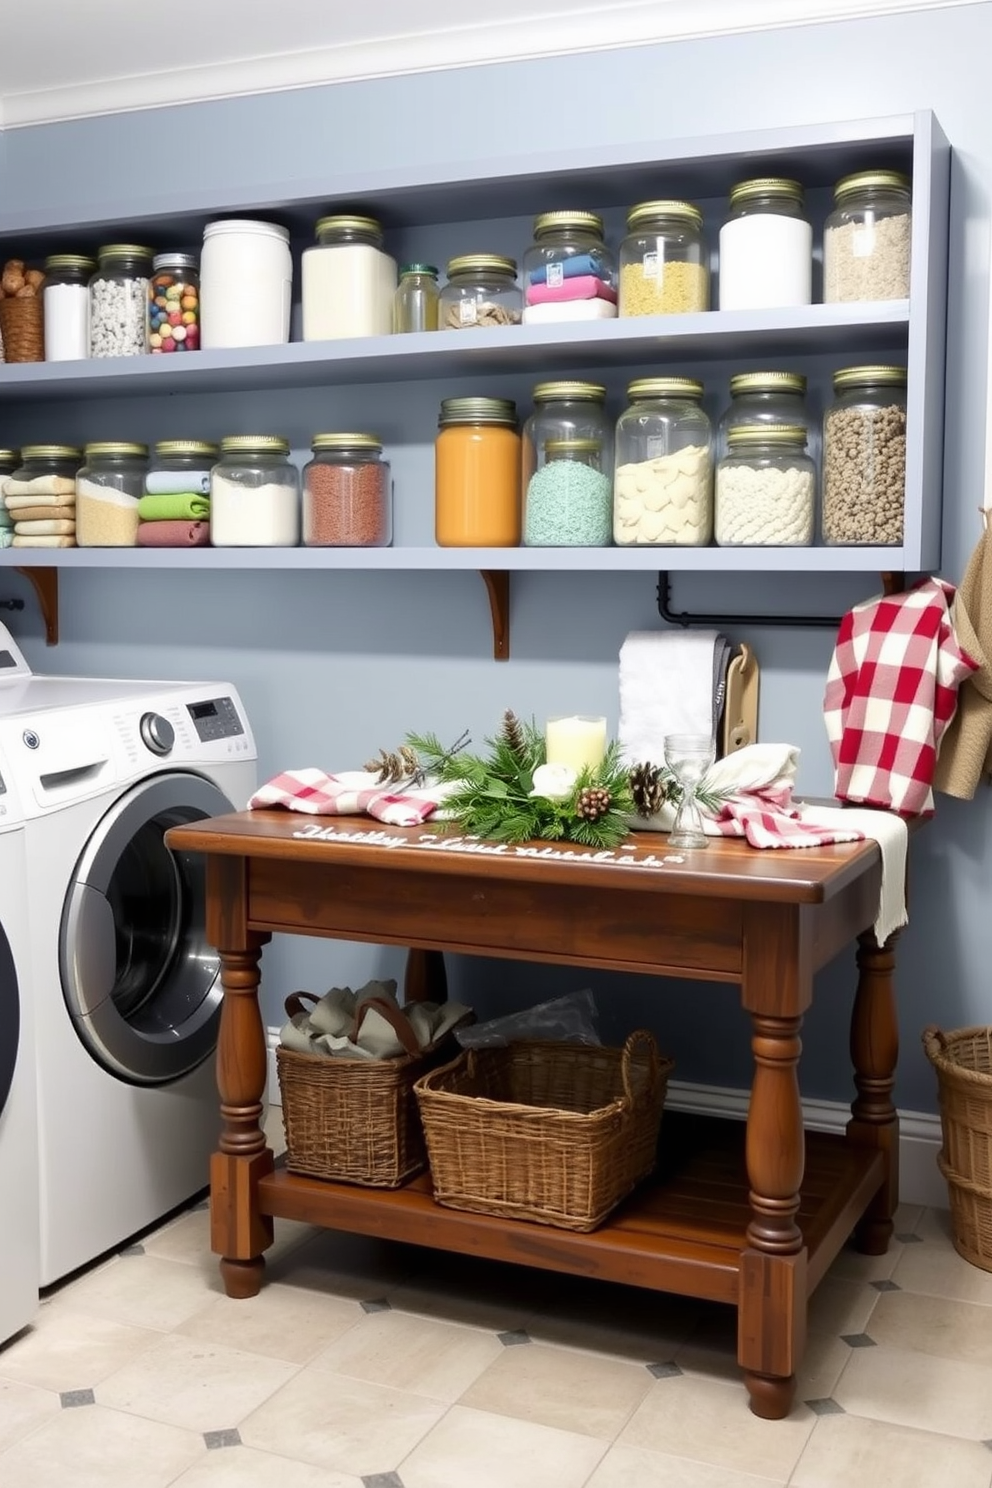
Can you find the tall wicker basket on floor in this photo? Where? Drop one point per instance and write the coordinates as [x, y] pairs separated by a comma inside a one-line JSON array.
[[551, 1132], [963, 1061]]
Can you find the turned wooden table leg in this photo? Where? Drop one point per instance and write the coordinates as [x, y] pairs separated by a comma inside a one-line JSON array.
[[874, 1053], [426, 978], [239, 1233], [772, 1309]]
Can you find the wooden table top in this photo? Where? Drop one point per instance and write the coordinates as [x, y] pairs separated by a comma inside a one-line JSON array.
[[726, 869]]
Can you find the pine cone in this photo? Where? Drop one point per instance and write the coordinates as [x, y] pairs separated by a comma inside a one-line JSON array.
[[593, 803], [649, 790], [513, 735]]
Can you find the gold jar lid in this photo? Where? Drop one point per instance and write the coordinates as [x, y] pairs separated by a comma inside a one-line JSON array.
[[75, 261], [883, 180], [571, 446], [587, 222], [345, 441], [115, 448], [167, 448], [124, 250], [664, 387], [646, 213], [51, 452], [9, 456], [767, 382], [748, 434], [573, 392], [255, 444], [849, 377], [482, 263], [478, 411], [346, 223], [760, 186]]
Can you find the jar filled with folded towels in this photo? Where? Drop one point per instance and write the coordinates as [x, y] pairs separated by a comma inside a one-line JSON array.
[[174, 511]]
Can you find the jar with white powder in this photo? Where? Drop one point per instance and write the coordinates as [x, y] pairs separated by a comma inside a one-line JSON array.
[[254, 494], [866, 238], [663, 481], [108, 488], [765, 488], [349, 281], [766, 247], [67, 307]]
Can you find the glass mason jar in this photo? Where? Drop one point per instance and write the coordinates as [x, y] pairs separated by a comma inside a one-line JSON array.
[[109, 485], [864, 458], [482, 290], [565, 410], [866, 238], [181, 467], [663, 481], [44, 470], [10, 459], [254, 494], [349, 281], [246, 284], [765, 488], [347, 493], [568, 271], [174, 303], [119, 301], [664, 269], [415, 303], [765, 398], [766, 247], [568, 502], [66, 298], [477, 474]]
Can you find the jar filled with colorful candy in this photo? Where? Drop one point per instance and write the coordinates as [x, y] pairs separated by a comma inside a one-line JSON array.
[[174, 303]]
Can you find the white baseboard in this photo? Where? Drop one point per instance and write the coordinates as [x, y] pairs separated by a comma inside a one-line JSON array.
[[920, 1180]]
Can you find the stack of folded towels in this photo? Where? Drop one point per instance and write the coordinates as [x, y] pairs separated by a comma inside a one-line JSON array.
[[39, 513], [173, 519]]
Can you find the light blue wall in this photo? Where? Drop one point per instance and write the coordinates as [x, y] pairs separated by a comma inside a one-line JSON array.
[[331, 666]]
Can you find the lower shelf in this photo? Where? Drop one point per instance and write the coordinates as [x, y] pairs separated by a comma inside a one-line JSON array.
[[683, 1231]]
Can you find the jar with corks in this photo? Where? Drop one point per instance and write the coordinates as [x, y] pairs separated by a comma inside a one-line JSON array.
[[664, 269], [482, 290], [347, 493], [864, 458], [109, 486], [866, 238], [663, 480], [22, 324]]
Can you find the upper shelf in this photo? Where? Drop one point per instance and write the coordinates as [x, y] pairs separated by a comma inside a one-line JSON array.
[[715, 335]]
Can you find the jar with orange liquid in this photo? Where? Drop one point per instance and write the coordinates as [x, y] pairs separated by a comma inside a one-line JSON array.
[[477, 474]]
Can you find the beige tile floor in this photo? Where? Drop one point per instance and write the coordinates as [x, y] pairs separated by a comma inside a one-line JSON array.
[[366, 1363]]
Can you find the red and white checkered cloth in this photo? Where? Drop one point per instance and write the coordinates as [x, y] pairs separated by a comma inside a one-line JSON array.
[[891, 692], [351, 793]]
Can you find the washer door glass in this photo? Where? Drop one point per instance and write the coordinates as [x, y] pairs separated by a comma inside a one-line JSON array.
[[10, 1019], [139, 977]]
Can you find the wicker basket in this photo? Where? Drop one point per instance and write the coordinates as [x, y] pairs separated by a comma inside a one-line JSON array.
[[23, 329], [963, 1061], [552, 1132], [355, 1120]]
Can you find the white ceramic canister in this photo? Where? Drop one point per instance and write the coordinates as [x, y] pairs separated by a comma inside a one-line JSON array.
[[349, 282], [766, 247], [246, 284]]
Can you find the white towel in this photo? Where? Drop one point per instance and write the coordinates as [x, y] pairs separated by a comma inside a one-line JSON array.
[[892, 836], [671, 682]]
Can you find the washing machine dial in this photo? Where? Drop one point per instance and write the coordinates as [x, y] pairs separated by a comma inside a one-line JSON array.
[[157, 733]]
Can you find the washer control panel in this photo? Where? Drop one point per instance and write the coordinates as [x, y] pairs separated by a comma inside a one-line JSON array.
[[215, 718]]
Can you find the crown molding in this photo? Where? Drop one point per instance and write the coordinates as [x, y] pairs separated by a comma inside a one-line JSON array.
[[601, 27]]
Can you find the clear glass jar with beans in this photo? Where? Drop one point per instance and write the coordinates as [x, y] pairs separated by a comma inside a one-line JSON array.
[[866, 238], [864, 458]]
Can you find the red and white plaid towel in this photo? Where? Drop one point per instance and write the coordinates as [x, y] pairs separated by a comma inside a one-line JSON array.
[[891, 692], [351, 793]]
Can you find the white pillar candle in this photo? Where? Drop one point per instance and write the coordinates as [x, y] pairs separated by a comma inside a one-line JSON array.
[[578, 741]]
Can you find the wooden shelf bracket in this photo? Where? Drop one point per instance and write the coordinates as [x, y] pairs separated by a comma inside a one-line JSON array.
[[497, 582], [45, 582]]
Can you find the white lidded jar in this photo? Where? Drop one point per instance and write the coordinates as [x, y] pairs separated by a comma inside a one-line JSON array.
[[246, 284], [349, 282], [766, 247]]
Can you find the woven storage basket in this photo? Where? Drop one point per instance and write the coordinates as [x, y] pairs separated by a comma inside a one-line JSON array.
[[354, 1120], [23, 329], [552, 1132], [963, 1061]]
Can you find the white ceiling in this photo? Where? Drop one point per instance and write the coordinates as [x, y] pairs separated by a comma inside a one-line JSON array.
[[67, 58]]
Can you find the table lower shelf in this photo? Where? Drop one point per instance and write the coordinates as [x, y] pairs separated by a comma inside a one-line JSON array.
[[682, 1231]]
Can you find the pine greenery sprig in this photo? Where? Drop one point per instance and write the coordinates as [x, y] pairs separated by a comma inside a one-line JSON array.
[[491, 795]]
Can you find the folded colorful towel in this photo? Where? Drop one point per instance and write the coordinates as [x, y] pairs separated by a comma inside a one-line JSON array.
[[173, 508], [47, 490], [351, 793], [177, 482], [173, 535], [45, 529], [6, 537], [43, 542], [34, 513]]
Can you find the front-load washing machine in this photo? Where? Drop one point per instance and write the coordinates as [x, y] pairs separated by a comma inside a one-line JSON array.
[[19, 1252], [126, 987]]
